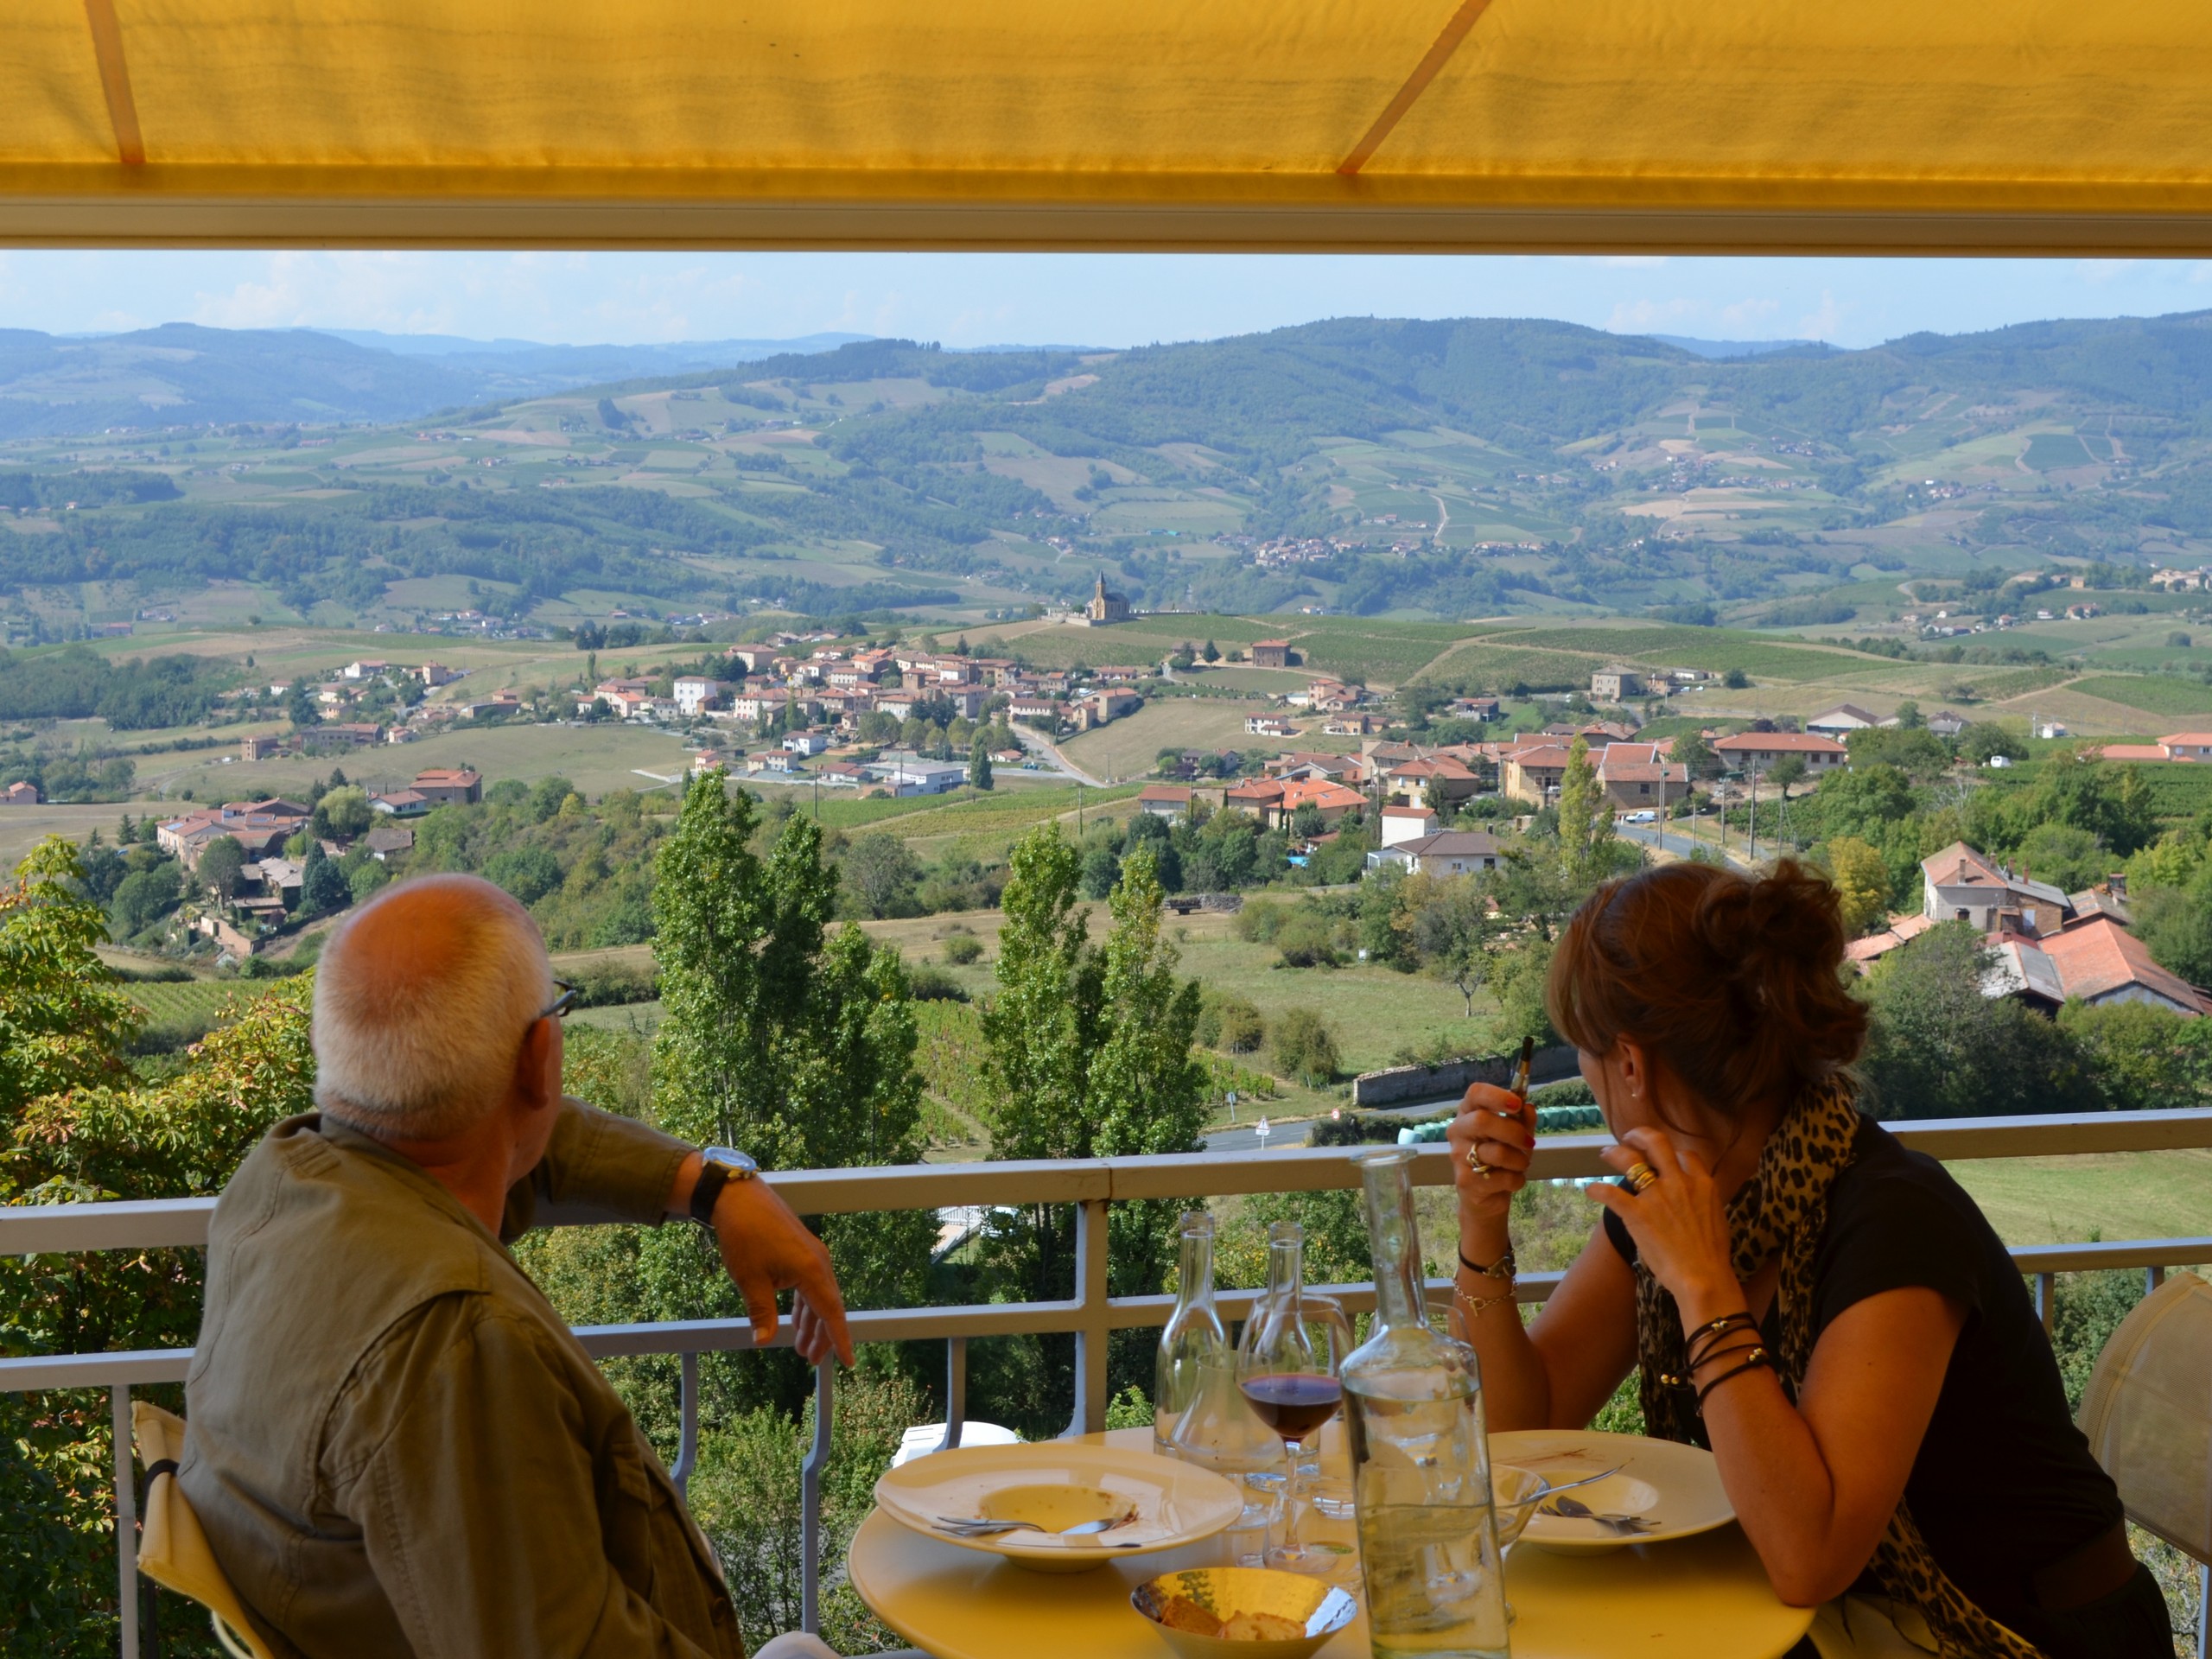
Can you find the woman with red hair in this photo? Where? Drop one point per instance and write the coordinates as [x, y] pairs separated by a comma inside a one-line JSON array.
[[1829, 1313]]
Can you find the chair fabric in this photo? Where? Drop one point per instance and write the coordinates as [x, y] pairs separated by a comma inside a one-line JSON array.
[[173, 1550], [2148, 1414]]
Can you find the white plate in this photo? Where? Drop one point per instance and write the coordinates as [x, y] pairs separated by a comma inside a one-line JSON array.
[[1057, 1483], [1675, 1486]]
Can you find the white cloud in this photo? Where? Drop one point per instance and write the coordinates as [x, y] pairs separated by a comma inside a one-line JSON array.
[[1747, 316], [1826, 322], [1641, 316]]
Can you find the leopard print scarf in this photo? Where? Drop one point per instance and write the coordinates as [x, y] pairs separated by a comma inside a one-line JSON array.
[[1784, 1208]]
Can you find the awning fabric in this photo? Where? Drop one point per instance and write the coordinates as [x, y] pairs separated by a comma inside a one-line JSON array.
[[1701, 125]]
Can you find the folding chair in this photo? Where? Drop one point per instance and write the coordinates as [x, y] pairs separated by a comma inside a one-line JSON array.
[[2148, 1416], [173, 1550]]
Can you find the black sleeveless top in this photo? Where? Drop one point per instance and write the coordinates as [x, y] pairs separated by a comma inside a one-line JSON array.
[[2004, 1484]]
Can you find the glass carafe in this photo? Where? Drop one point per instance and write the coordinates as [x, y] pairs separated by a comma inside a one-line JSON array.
[[1420, 1463], [1197, 1414], [1194, 1338]]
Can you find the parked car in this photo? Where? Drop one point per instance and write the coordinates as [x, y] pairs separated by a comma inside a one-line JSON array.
[[1641, 817]]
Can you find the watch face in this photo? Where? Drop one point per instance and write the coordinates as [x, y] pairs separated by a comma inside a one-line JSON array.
[[737, 1163]]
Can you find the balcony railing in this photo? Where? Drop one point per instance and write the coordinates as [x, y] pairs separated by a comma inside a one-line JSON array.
[[1090, 1314]]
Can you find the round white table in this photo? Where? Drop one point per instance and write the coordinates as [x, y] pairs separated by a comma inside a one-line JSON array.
[[1701, 1598]]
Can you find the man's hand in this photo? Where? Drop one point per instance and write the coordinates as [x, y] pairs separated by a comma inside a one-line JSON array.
[[766, 1248]]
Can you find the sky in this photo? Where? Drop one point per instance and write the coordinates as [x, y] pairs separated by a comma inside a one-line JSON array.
[[1106, 300]]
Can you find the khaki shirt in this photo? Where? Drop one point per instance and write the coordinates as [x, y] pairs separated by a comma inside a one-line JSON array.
[[395, 1445]]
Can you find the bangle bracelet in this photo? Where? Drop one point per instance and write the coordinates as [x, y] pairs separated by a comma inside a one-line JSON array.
[[1476, 1305], [1503, 1267], [1756, 1360]]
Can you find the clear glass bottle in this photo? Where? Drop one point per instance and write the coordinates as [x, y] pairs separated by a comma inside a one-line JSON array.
[[1193, 1342], [1420, 1461]]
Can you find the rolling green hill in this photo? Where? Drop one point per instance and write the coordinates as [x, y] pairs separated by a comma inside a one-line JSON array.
[[1359, 467]]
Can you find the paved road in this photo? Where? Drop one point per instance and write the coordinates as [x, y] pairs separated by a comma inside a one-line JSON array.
[[1245, 1137], [1681, 846], [1037, 743]]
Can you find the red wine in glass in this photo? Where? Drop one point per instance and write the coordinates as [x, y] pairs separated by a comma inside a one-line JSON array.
[[1293, 1403]]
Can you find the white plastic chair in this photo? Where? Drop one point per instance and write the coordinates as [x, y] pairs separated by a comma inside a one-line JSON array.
[[173, 1551], [2148, 1416]]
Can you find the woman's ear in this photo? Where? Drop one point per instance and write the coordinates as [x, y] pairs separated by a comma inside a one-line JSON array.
[[1635, 1067]]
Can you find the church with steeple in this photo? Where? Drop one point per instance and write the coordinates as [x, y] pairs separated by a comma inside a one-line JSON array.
[[1104, 606]]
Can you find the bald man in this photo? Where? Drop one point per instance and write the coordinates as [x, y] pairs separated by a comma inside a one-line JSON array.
[[395, 1445]]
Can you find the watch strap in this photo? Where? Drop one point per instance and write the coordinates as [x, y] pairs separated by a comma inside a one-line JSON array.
[[713, 1177]]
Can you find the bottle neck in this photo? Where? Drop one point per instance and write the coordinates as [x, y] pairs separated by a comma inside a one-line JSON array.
[[1395, 1243], [1194, 1285]]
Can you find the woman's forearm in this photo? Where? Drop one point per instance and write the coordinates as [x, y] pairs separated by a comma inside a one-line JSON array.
[[1517, 1388]]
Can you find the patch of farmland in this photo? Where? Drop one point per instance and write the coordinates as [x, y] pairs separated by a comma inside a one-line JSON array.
[[2158, 694]]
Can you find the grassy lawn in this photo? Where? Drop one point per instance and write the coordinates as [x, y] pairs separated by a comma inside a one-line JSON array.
[[1125, 747], [23, 828], [2111, 1195], [597, 759]]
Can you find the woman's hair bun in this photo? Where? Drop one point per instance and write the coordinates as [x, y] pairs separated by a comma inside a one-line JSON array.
[[1732, 979]]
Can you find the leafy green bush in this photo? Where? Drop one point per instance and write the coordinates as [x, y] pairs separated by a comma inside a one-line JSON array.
[[930, 983], [963, 949], [1308, 939], [1259, 921], [1228, 1021], [1306, 1047]]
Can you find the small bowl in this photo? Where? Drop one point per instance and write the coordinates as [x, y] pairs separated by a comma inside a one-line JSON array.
[[1229, 1597]]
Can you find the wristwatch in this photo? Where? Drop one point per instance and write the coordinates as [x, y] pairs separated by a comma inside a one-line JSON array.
[[718, 1167]]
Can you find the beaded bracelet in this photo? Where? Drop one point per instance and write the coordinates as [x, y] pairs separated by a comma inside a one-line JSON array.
[[1753, 1361], [1714, 1341], [1503, 1267], [1713, 1327]]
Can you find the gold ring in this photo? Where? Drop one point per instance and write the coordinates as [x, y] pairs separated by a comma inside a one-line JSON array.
[[1475, 1160], [1641, 1176]]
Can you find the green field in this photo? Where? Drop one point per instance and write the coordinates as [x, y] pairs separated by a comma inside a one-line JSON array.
[[2154, 694], [2112, 1195], [181, 1013], [1713, 649]]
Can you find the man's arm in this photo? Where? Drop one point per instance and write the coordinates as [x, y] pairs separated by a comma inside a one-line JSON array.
[[597, 1167], [485, 1518]]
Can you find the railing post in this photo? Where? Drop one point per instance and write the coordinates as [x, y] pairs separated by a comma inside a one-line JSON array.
[[809, 1497], [2047, 1299], [1092, 1319], [687, 1445], [126, 1521], [2152, 1278], [956, 1391]]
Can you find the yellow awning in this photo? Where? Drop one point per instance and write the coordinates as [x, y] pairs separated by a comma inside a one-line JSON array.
[[1886, 125]]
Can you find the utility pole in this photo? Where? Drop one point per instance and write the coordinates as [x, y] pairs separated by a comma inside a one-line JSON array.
[[1752, 830]]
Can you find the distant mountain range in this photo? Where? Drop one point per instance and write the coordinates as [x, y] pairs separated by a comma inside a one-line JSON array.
[[1719, 348], [180, 374]]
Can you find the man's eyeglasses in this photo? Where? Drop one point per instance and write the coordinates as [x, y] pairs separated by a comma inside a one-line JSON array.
[[559, 1007]]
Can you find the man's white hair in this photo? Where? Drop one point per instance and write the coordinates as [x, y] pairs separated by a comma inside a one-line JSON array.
[[420, 1001]]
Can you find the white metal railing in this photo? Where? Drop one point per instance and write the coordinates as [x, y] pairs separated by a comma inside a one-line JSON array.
[[1090, 1315]]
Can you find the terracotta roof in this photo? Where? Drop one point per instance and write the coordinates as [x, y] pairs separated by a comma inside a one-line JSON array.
[[1165, 792], [1452, 843], [1439, 767], [1318, 792], [1796, 742], [1875, 945], [2133, 751], [2195, 740], [1958, 866], [1542, 758], [2098, 957]]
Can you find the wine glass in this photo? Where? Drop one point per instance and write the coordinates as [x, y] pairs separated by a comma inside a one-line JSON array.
[[1290, 1382]]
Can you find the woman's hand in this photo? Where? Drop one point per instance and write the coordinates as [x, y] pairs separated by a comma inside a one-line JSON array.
[[1492, 1128], [1678, 1223]]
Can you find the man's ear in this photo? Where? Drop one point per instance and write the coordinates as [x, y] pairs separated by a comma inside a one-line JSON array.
[[538, 1079]]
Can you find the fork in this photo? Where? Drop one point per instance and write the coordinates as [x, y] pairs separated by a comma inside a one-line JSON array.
[[1586, 1480], [980, 1528], [1572, 1509]]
